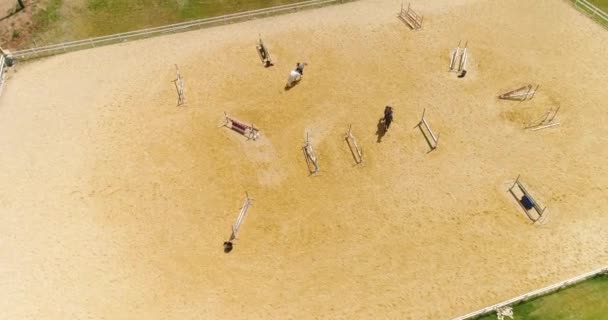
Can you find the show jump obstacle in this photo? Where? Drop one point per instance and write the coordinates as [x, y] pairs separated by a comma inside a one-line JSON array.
[[546, 121], [458, 61], [179, 85], [310, 156], [249, 131], [431, 138], [527, 202], [526, 92], [240, 218], [409, 16], [264, 54], [354, 147]]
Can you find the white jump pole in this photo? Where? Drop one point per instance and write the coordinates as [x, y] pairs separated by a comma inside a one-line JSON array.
[[463, 65], [428, 128], [454, 56], [554, 114], [546, 126], [310, 154], [453, 60], [179, 84], [358, 150], [463, 58], [534, 92], [240, 218], [352, 138]]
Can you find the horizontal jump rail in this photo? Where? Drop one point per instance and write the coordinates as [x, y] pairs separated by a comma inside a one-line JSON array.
[[459, 58], [546, 121], [539, 210], [425, 124], [240, 218], [311, 157], [263, 53], [545, 126], [413, 19], [249, 131], [352, 144], [429, 129], [179, 85], [519, 94]]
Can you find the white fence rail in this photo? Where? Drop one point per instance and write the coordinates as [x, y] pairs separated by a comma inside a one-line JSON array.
[[3, 68], [177, 27], [592, 10], [534, 294]]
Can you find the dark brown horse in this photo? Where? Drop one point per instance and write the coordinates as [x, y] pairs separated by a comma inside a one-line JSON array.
[[388, 116]]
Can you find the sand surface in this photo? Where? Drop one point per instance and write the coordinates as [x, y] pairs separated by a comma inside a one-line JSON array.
[[114, 203]]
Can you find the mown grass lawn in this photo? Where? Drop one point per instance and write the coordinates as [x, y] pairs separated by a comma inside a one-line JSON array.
[[602, 4], [66, 20], [113, 16], [584, 301]]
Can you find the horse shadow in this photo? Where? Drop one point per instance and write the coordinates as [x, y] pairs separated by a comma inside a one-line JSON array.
[[381, 129], [293, 84]]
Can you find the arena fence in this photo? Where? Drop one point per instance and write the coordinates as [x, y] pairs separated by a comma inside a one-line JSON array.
[[534, 294], [593, 11], [172, 28], [3, 68]]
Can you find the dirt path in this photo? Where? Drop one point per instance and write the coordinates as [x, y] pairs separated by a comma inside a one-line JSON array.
[[114, 203], [14, 23]]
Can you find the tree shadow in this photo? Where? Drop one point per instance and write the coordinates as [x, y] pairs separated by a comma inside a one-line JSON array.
[[16, 10]]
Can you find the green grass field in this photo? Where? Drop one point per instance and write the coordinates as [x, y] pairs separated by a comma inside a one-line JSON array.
[[133, 15], [585, 301], [66, 20], [602, 4]]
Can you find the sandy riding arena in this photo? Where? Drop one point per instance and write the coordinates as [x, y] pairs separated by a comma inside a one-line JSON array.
[[114, 203]]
